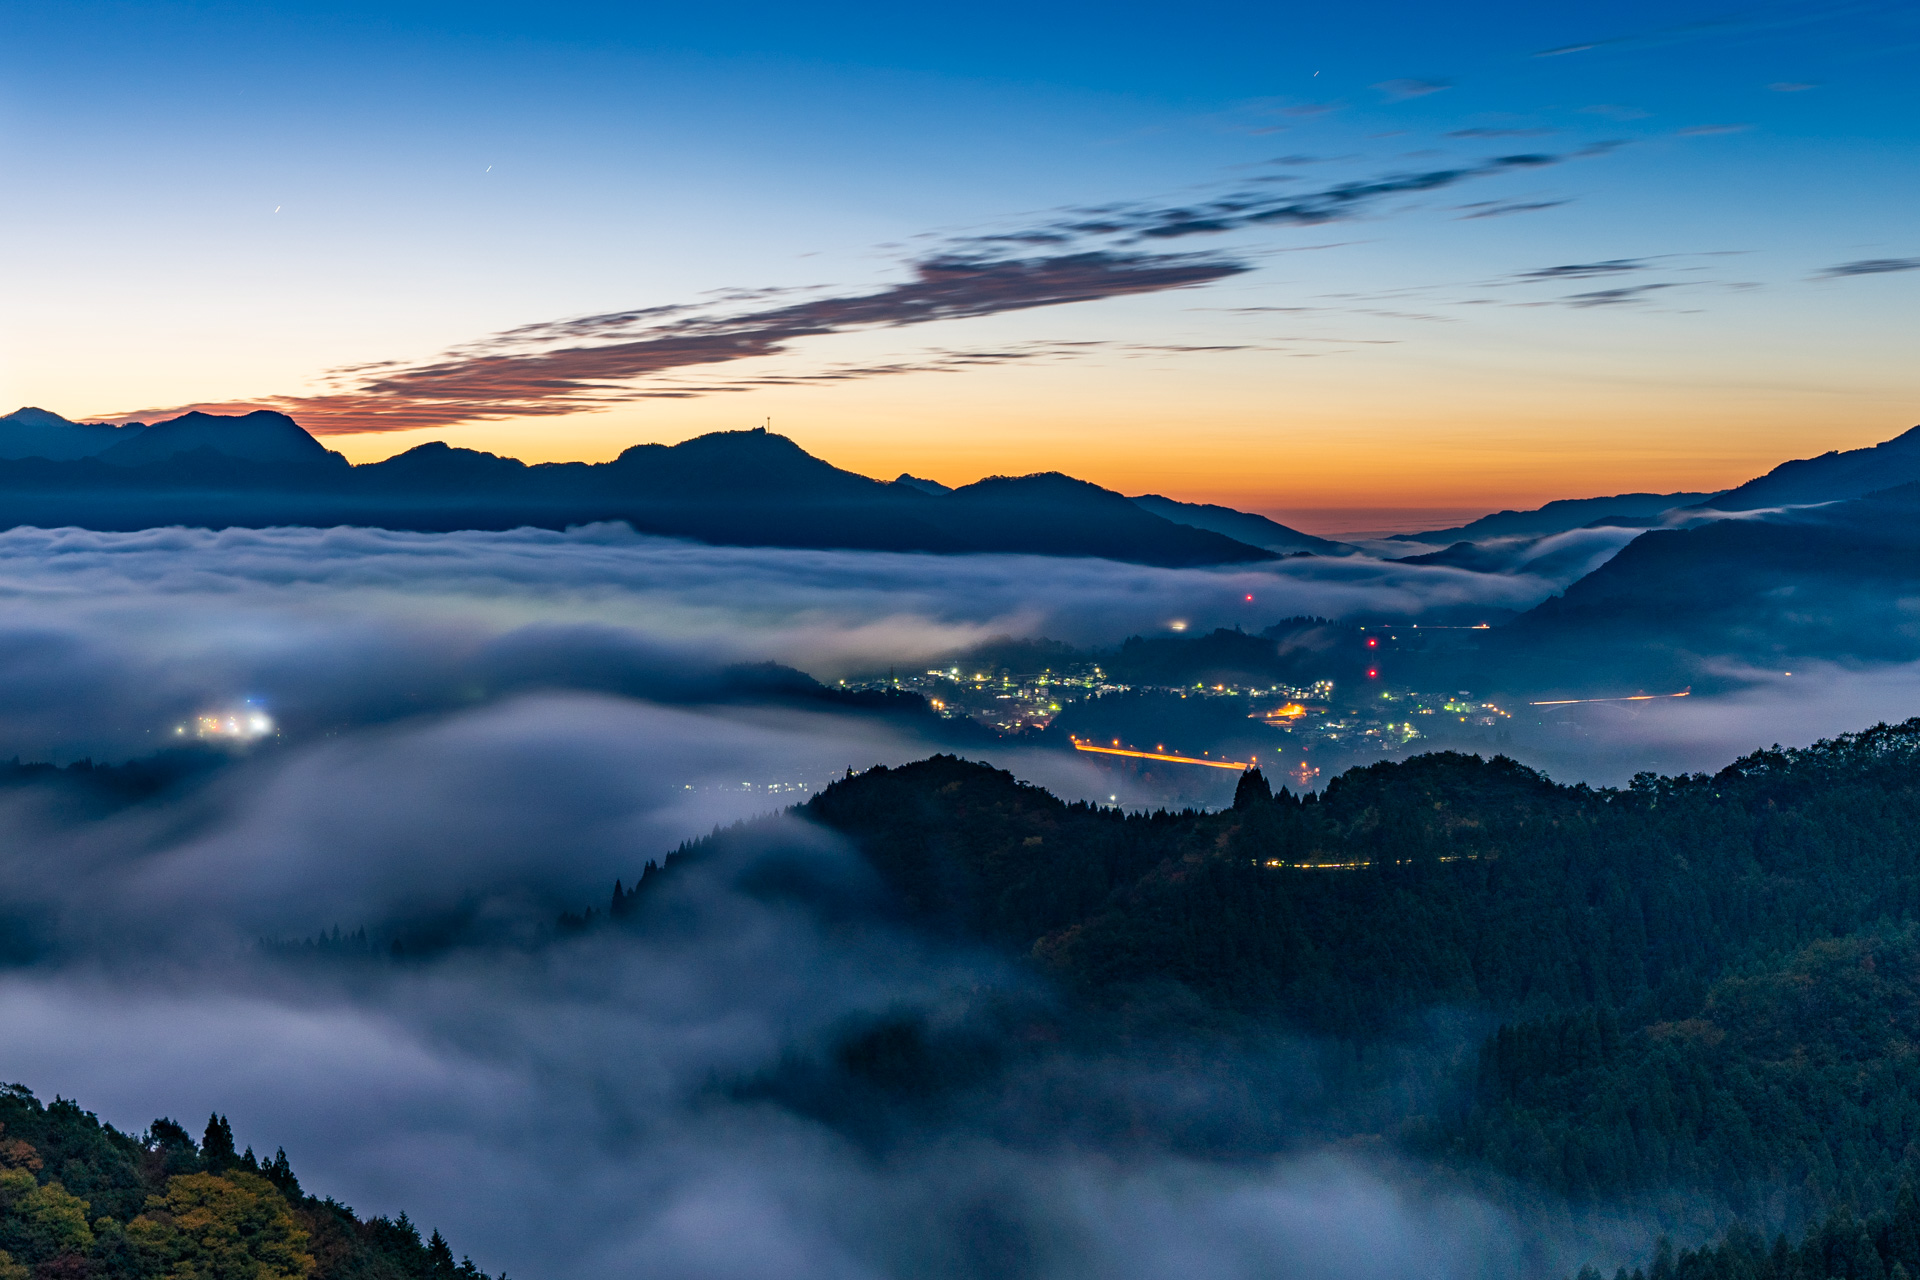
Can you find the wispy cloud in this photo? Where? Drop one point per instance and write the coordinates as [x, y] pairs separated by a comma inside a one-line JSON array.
[[1869, 267], [1585, 270], [1401, 90], [1337, 202], [1478, 132], [1615, 297], [1710, 130], [587, 362], [1082, 255], [1501, 208]]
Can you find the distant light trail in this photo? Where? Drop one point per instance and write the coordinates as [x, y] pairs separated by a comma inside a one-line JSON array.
[[1155, 755], [1638, 697]]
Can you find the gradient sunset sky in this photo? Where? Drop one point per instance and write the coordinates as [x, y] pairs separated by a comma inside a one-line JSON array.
[[1289, 257]]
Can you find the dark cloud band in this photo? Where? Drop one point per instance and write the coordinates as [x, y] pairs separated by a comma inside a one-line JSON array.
[[588, 362]]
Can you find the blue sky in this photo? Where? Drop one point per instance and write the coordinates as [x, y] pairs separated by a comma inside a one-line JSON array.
[[222, 204]]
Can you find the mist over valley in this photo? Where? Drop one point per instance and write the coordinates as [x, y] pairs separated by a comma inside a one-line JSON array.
[[674, 643]]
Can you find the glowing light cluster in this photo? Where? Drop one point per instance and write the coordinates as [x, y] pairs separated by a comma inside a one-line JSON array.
[[244, 725]]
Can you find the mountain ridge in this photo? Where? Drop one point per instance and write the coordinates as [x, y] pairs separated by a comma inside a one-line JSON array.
[[33, 432], [1242, 526], [1562, 515], [1835, 475], [742, 488]]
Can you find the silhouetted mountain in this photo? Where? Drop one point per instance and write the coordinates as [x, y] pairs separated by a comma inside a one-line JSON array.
[[1821, 582], [1558, 517], [1242, 526], [39, 433], [437, 468], [1833, 475], [924, 486], [740, 488], [1555, 556], [260, 436], [1075, 518], [1461, 555]]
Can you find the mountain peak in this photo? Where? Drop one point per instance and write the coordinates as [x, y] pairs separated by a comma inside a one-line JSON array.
[[260, 436], [41, 433], [29, 416], [757, 462]]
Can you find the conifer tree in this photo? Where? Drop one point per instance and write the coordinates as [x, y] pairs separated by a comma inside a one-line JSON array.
[[1252, 789], [216, 1147]]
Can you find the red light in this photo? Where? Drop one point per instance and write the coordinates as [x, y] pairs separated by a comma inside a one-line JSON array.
[[1372, 673], [1372, 643], [1249, 599]]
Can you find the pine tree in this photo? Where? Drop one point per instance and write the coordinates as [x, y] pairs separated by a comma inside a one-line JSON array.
[[279, 1171], [216, 1148], [1251, 790]]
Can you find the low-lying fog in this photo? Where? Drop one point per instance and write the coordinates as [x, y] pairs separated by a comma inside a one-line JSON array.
[[503, 724]]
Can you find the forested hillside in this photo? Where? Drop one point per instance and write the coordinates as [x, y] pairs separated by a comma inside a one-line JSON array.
[[1695, 984], [79, 1198]]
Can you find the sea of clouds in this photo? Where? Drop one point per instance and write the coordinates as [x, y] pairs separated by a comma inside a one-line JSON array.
[[502, 724]]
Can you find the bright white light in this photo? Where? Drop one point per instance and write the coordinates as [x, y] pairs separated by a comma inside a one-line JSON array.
[[243, 725]]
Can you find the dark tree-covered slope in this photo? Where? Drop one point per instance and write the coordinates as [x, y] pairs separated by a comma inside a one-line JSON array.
[[1707, 982], [79, 1198]]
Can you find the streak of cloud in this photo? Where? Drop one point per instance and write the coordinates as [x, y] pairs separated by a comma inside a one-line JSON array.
[[1615, 297], [1869, 267], [1499, 133], [1405, 89], [1337, 202], [1585, 270], [1502, 208], [588, 362], [591, 361]]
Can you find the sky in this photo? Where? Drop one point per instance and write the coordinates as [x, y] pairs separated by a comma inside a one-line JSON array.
[[1311, 263]]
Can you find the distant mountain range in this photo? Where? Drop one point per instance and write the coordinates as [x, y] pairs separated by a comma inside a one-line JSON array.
[[1831, 477], [1242, 526], [743, 488], [1703, 582], [1767, 592], [1630, 509]]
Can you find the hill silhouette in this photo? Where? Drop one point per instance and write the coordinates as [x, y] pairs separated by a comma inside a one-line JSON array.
[[1560, 516], [1817, 582], [260, 436], [1243, 526], [741, 488], [41, 433], [1852, 473]]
